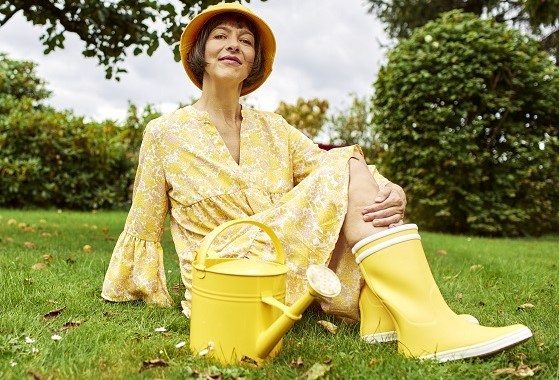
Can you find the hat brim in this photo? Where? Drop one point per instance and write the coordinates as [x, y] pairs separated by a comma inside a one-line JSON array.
[[267, 40]]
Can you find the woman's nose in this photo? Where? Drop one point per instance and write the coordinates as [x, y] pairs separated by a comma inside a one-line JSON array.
[[233, 46]]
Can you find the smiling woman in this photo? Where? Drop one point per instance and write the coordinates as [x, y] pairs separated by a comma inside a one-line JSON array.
[[215, 162]]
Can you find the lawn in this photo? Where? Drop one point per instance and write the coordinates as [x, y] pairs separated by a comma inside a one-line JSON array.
[[54, 324]]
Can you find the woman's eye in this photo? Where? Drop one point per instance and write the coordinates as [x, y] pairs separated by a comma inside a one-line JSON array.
[[246, 41]]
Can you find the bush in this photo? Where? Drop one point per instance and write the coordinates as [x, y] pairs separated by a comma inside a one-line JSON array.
[[468, 111], [54, 159]]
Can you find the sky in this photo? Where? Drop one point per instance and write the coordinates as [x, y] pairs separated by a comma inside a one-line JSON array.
[[326, 49]]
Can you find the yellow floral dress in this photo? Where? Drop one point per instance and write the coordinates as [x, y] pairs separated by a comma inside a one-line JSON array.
[[283, 180]]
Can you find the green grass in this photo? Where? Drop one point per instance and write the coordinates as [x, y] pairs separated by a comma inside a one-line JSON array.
[[489, 278]]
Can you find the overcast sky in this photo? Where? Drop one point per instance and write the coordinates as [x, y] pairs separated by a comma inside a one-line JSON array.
[[326, 49]]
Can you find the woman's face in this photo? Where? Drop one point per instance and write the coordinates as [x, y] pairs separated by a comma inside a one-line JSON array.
[[229, 53]]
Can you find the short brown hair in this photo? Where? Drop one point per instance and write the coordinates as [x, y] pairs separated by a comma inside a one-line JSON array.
[[196, 59]]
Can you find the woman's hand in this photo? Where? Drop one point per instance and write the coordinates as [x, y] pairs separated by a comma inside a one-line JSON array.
[[388, 209]]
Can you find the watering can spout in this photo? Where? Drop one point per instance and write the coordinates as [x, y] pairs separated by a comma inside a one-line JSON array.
[[323, 283]]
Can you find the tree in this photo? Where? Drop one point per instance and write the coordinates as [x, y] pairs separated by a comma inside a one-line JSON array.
[[306, 115], [109, 29], [468, 111], [354, 126], [18, 81], [540, 16]]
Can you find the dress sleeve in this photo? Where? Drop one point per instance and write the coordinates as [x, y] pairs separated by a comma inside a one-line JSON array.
[[136, 270]]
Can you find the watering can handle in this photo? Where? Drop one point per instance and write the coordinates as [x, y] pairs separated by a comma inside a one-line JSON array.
[[202, 251]]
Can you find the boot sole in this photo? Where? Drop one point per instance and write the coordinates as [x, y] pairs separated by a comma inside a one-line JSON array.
[[391, 336], [482, 349]]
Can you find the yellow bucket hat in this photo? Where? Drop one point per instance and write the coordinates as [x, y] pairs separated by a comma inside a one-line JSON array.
[[268, 42]]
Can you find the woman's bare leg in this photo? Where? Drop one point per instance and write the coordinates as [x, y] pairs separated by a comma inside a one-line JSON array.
[[362, 191]]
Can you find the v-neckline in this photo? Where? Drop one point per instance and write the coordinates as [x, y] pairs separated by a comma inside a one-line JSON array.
[[218, 140]]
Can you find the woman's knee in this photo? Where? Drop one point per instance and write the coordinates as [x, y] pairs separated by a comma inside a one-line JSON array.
[[360, 178]]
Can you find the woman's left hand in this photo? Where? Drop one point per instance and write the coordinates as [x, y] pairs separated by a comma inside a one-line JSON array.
[[388, 209]]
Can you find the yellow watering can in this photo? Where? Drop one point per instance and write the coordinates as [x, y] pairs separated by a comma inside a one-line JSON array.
[[238, 310]]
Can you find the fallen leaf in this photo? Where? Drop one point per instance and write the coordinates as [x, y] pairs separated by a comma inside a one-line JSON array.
[[248, 360], [53, 314], [374, 362], [9, 239], [459, 296], [70, 260], [87, 248], [48, 258], [442, 252], [105, 230], [70, 325], [12, 222], [296, 363], [38, 266], [180, 344], [29, 244], [475, 267], [46, 234], [160, 329], [146, 364], [522, 370], [525, 306], [35, 375], [56, 337], [332, 328], [317, 371]]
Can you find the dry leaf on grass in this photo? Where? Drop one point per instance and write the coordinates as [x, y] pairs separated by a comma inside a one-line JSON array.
[[29, 245], [38, 266], [70, 325], [525, 306], [475, 267], [442, 252], [317, 371], [151, 363], [248, 360], [53, 314], [332, 328], [87, 248], [523, 370], [297, 363], [37, 376]]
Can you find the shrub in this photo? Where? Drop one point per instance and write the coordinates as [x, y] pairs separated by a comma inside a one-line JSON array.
[[468, 111], [54, 159]]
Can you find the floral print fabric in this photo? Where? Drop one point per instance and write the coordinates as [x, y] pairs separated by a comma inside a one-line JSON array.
[[283, 180]]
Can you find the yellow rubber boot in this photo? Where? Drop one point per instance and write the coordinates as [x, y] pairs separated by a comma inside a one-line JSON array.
[[376, 325], [395, 269]]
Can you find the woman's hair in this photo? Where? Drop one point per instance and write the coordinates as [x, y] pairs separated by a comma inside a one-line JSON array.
[[196, 59]]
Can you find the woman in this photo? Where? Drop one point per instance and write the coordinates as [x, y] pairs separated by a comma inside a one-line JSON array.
[[216, 161]]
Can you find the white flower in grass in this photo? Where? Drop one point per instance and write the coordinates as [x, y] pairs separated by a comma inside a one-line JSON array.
[[56, 337], [428, 38], [29, 340], [160, 329], [13, 364], [180, 344]]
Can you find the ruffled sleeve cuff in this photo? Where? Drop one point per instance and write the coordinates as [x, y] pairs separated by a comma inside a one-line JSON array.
[[136, 272]]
